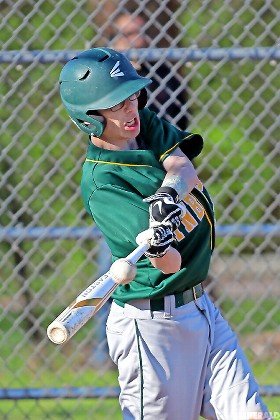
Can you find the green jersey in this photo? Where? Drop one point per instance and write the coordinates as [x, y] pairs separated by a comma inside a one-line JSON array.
[[114, 184]]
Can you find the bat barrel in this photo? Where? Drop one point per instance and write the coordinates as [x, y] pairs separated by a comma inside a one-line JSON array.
[[87, 303], [63, 328]]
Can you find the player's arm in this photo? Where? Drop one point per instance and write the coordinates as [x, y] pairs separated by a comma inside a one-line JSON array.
[[169, 263], [166, 211], [161, 254], [166, 204], [180, 174]]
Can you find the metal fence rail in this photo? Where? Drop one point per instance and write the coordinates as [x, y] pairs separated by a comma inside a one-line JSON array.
[[224, 58], [152, 55], [51, 233], [84, 392]]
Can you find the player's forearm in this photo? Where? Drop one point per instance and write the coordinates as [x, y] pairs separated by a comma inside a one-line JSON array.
[[169, 263], [180, 175]]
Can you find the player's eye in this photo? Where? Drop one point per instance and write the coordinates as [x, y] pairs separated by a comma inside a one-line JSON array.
[[121, 104]]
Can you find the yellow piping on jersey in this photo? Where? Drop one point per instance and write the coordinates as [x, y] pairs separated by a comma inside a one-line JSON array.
[[205, 197], [116, 163], [173, 147], [211, 227]]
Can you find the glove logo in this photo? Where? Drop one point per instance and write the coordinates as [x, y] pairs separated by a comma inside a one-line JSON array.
[[116, 72]]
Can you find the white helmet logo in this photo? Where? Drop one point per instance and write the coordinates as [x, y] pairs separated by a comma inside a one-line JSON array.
[[115, 72]]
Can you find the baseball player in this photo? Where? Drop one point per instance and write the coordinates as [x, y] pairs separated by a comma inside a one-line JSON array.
[[176, 355]]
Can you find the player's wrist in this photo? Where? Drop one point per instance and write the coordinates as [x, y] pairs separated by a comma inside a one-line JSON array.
[[160, 239], [165, 208], [165, 191], [156, 253], [177, 184]]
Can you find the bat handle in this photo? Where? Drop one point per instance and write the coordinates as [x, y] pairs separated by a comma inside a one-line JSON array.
[[135, 255]]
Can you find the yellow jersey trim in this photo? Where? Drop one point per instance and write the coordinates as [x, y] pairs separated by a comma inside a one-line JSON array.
[[173, 147], [116, 163]]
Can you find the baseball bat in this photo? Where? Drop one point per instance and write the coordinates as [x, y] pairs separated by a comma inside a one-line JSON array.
[[87, 303]]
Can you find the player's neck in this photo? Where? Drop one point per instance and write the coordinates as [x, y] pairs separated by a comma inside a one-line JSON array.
[[111, 145]]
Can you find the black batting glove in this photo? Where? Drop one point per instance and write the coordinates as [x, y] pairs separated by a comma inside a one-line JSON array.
[[160, 238], [160, 242], [165, 208]]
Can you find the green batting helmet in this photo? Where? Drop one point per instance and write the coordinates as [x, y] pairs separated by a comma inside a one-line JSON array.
[[96, 79]]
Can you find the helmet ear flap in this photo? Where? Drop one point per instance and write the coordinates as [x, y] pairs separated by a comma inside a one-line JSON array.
[[95, 125], [142, 100]]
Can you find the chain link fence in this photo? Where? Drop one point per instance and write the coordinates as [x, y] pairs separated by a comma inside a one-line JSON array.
[[218, 63]]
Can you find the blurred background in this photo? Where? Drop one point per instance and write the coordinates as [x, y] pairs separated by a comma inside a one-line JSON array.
[[215, 66]]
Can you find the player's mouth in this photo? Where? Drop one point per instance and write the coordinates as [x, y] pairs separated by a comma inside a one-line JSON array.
[[132, 124]]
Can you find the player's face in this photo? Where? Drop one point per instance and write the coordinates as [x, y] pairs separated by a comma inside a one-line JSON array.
[[122, 121]]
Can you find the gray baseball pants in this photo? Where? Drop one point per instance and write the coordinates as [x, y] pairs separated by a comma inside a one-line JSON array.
[[180, 363]]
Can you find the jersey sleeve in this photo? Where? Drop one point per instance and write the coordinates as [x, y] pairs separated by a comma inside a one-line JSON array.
[[163, 138]]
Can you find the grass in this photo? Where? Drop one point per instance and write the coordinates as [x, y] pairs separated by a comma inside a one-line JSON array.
[[74, 409], [82, 409]]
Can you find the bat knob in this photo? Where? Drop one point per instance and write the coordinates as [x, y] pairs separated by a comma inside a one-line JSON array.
[[57, 333]]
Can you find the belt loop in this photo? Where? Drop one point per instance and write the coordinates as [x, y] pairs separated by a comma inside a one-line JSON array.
[[167, 307], [194, 293]]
